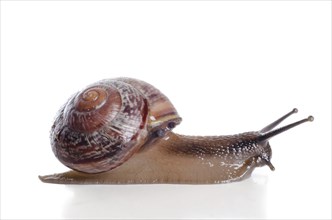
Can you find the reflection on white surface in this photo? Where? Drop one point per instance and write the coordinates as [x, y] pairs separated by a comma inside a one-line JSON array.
[[246, 199]]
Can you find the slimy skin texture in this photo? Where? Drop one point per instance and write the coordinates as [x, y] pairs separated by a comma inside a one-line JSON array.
[[179, 159]]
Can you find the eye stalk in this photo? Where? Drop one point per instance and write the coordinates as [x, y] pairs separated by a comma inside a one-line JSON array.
[[268, 133]]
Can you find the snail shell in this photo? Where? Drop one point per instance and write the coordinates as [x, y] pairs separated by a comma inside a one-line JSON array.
[[102, 126], [120, 131]]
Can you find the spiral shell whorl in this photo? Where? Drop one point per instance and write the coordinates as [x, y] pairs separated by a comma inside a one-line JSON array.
[[100, 127], [93, 108], [91, 99]]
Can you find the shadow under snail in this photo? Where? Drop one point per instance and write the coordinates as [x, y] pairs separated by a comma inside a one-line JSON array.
[[119, 131]]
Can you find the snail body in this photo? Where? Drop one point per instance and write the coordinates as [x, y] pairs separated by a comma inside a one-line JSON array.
[[119, 131]]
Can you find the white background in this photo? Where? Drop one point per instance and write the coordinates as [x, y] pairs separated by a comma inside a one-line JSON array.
[[228, 67]]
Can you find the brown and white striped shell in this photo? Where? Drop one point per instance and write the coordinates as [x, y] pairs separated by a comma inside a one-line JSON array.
[[102, 126]]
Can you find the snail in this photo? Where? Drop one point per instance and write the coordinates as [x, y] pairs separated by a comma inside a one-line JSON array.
[[119, 131]]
